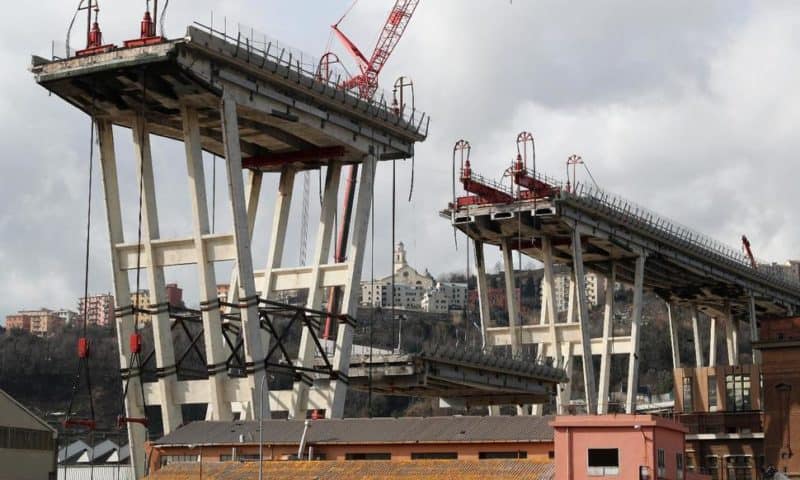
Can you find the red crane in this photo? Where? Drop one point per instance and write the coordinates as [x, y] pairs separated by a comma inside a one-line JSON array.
[[749, 252], [367, 81]]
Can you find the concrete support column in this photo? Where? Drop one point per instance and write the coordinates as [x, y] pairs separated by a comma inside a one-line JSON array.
[[322, 250], [513, 315], [122, 292], [572, 303], [754, 328], [212, 326], [712, 343], [605, 360], [280, 222], [250, 323], [698, 348], [583, 312], [565, 389], [252, 191], [358, 242], [636, 321], [483, 293], [731, 336], [550, 308], [161, 324], [673, 338]]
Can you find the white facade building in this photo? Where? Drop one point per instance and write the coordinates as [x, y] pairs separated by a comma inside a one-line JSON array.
[[445, 297], [595, 290], [412, 290]]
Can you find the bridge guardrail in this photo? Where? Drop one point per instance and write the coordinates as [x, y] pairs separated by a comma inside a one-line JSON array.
[[627, 210]]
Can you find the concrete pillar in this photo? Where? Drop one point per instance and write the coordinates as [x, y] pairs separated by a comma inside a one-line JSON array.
[[565, 389], [280, 221], [513, 315], [161, 324], [250, 323], [358, 241], [698, 348], [605, 360], [673, 338], [216, 358], [636, 320], [712, 343], [124, 322], [483, 293], [731, 336], [252, 191], [583, 312], [550, 307], [754, 328], [316, 293], [572, 305]]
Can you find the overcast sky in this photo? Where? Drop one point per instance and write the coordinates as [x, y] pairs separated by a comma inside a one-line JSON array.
[[686, 107]]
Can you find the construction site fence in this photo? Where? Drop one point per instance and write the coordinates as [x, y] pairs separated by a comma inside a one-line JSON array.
[[628, 211], [95, 472]]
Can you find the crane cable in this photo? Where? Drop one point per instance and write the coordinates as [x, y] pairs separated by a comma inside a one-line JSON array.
[[83, 349]]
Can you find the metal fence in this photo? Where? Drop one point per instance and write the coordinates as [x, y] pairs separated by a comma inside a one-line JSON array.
[[95, 472], [252, 43], [645, 219]]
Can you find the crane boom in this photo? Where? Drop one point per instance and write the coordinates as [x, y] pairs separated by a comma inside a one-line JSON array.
[[393, 30]]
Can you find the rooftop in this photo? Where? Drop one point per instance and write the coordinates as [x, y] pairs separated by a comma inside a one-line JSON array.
[[429, 469], [368, 431]]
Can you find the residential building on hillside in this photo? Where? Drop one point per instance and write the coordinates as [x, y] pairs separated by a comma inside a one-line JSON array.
[[42, 322], [27, 443], [410, 285], [67, 315], [98, 309], [444, 297], [595, 289], [174, 297]]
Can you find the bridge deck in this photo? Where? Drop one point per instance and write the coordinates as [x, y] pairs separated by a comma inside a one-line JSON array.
[[682, 265], [463, 377], [309, 122]]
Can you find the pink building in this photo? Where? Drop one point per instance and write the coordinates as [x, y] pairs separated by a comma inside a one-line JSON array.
[[99, 309], [620, 447]]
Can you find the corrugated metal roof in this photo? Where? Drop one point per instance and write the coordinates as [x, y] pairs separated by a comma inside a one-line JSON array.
[[14, 414], [374, 470], [368, 430]]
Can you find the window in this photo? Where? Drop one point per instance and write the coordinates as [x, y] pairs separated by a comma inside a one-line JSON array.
[[737, 392], [739, 467], [500, 455], [679, 466], [368, 456], [687, 395], [712, 392], [434, 456], [712, 466], [662, 463], [167, 459], [603, 461]]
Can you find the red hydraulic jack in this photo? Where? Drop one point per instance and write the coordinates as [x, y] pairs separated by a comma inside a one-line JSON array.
[[135, 363], [83, 371], [147, 32], [94, 36]]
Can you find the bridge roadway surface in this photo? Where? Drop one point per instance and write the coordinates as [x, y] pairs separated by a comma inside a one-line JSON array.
[[682, 266]]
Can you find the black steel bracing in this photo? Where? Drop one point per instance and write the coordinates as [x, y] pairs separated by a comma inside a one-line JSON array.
[[280, 320]]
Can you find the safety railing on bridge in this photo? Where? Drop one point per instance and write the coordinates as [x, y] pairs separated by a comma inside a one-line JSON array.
[[253, 44], [629, 212]]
